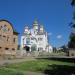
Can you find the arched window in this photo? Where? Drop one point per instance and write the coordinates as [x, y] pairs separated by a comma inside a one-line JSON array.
[[14, 40]]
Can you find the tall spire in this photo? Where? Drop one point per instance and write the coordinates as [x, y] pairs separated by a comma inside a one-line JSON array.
[[35, 26], [35, 23]]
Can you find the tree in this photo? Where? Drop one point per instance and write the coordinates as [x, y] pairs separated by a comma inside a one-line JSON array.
[[72, 2], [64, 48], [71, 43]]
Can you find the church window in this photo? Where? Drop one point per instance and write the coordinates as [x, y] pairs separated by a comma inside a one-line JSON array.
[[4, 37], [7, 38], [40, 48], [13, 49], [0, 36], [32, 38], [0, 27], [6, 48], [4, 28], [40, 39], [27, 40], [4, 25], [14, 40], [0, 47], [8, 29]]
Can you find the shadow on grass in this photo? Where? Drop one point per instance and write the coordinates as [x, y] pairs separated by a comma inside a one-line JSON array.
[[59, 70], [60, 59], [56, 69]]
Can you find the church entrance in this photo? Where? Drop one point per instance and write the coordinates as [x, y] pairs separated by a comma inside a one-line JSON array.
[[27, 48], [33, 47]]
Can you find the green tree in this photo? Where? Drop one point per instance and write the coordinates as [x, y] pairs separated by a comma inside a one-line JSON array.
[[64, 48], [71, 43], [72, 2]]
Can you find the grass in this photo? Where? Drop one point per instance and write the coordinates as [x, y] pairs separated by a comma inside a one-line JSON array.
[[37, 65], [43, 54], [4, 71], [50, 67]]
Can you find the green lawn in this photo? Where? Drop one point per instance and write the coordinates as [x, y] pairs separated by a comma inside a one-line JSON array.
[[37, 65], [40, 65], [4, 71]]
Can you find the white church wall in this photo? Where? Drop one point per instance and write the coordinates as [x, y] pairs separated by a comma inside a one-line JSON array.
[[40, 40]]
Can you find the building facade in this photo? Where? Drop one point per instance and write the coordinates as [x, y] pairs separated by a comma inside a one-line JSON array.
[[35, 39], [8, 39]]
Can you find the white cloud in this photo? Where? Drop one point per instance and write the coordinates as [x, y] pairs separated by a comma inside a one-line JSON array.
[[59, 36], [49, 34]]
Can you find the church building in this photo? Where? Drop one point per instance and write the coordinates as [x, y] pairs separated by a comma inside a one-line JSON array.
[[35, 38]]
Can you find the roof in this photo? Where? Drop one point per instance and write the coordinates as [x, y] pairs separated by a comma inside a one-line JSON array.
[[35, 23], [14, 31]]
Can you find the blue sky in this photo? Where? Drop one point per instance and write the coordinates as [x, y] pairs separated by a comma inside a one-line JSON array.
[[55, 15]]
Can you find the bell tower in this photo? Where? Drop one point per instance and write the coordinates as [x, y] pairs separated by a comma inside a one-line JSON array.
[[35, 26], [41, 28], [26, 30]]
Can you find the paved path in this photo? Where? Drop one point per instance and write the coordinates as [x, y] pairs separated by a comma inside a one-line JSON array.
[[28, 59], [2, 62]]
